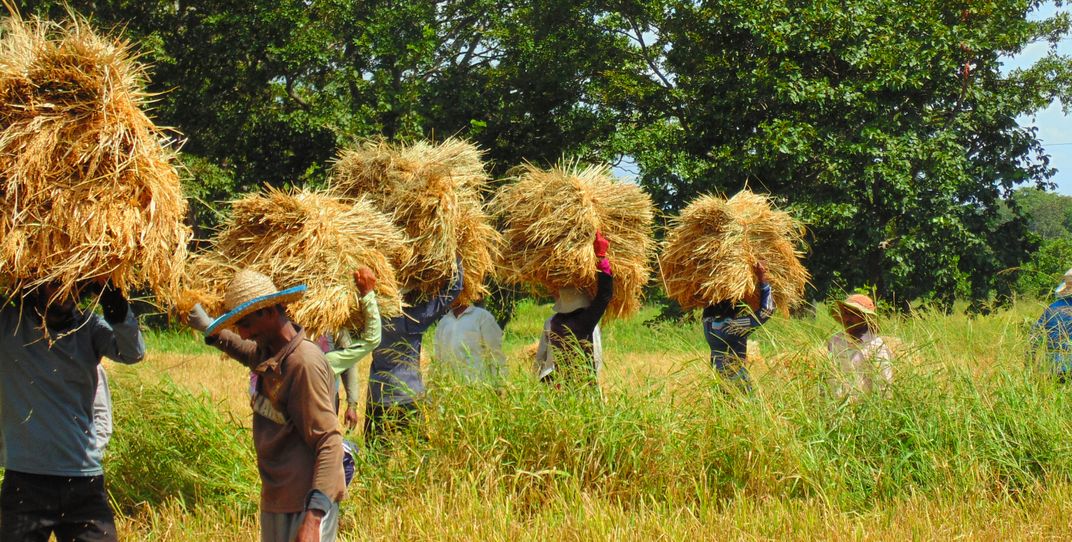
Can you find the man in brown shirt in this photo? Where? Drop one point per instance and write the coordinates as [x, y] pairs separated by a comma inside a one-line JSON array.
[[295, 428]]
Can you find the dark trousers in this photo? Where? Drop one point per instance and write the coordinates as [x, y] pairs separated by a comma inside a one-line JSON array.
[[383, 419], [76, 509]]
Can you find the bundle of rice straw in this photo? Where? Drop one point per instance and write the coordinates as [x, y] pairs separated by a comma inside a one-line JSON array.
[[88, 186], [550, 219], [304, 237], [435, 193], [709, 253]]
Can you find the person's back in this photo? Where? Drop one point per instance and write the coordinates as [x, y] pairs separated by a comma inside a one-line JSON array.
[[468, 342], [567, 349], [395, 381], [48, 385], [727, 326], [47, 392], [395, 373], [571, 335]]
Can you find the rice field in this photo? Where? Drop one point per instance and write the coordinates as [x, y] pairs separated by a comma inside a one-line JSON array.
[[972, 443]]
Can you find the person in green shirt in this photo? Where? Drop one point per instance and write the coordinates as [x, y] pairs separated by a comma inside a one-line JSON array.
[[350, 349]]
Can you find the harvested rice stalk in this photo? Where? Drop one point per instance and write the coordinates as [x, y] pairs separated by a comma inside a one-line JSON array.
[[480, 245], [711, 248], [435, 193], [88, 185], [305, 237], [550, 219]]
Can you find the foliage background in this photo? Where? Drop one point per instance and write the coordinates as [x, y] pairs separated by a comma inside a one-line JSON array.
[[888, 126]]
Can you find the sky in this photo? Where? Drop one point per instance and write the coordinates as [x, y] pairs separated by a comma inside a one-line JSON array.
[[1054, 127]]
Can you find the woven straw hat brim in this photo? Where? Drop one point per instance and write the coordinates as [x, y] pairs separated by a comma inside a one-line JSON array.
[[867, 314], [858, 308], [281, 297], [1064, 290]]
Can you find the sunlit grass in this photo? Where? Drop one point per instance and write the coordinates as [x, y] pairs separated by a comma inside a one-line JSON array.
[[973, 441]]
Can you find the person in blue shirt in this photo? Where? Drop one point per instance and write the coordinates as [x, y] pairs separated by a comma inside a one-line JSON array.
[[51, 449], [395, 382], [727, 326], [1054, 328]]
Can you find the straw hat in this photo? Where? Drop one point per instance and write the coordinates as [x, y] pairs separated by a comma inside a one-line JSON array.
[[858, 303], [570, 299], [250, 291], [1065, 289]]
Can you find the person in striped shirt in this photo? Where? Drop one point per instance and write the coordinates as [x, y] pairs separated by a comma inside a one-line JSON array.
[[727, 326]]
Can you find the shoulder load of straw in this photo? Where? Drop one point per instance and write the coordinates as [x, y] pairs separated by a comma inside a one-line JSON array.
[[88, 187], [551, 217], [310, 238], [434, 192], [710, 250]]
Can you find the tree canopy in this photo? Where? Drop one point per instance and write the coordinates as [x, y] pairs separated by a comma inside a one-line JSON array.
[[890, 127]]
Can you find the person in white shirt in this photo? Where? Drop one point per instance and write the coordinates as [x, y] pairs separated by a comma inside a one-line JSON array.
[[862, 357], [468, 342]]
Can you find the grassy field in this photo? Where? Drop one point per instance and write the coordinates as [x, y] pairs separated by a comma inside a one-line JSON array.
[[972, 443]]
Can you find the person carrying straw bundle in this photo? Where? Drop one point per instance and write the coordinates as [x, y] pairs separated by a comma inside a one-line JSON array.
[[92, 208], [738, 259], [562, 227], [50, 352], [434, 193], [567, 353], [295, 426], [864, 361], [346, 252]]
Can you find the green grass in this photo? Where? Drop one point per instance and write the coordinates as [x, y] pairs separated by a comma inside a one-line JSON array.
[[969, 421], [179, 341], [171, 445]]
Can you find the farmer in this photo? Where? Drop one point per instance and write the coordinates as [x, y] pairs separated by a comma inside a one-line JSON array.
[[348, 351], [395, 382], [295, 427], [468, 341], [1055, 326], [863, 359], [49, 357], [567, 351], [727, 326]]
